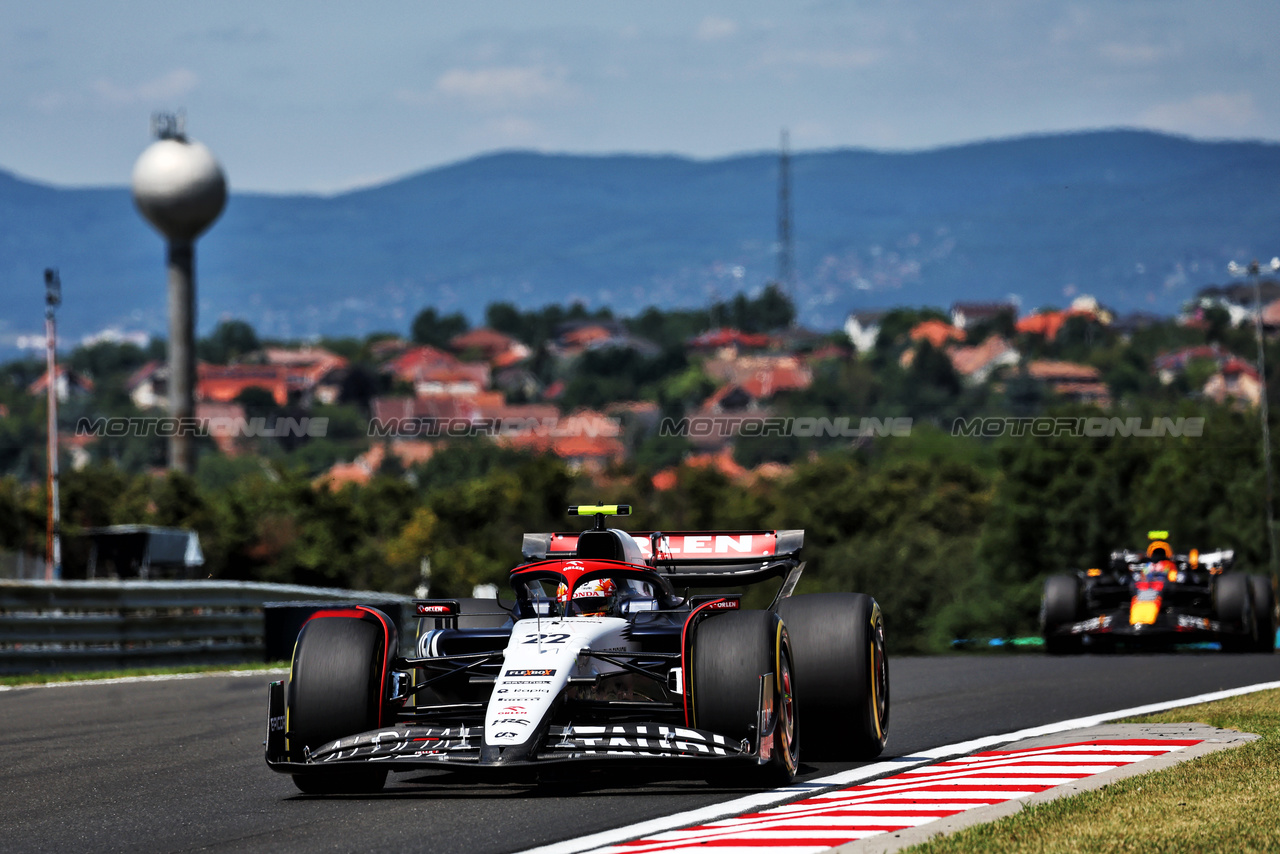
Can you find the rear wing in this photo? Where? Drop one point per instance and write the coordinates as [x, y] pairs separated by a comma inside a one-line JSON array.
[[1219, 560], [1216, 560], [712, 558]]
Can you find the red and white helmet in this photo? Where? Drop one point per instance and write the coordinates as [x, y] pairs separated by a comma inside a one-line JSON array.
[[590, 598]]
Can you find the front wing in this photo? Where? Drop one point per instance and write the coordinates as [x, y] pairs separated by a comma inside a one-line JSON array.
[[408, 746], [1169, 625]]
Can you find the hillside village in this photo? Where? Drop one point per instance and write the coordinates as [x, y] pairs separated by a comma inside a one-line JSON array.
[[592, 389]]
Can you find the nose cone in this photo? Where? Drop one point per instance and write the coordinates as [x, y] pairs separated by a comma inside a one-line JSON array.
[[179, 187]]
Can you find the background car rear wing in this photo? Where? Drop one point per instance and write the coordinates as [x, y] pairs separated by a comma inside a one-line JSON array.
[[694, 557], [1214, 561]]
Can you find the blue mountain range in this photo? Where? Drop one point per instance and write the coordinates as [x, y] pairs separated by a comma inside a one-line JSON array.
[[1140, 220]]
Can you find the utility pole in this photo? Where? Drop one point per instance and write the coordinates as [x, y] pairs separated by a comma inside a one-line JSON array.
[[53, 533]]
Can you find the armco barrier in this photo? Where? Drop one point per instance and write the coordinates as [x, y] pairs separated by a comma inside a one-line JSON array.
[[95, 625]]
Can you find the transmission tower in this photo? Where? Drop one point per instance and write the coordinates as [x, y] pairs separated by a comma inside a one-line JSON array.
[[786, 272]]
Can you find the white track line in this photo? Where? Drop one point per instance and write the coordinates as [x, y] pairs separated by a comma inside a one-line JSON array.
[[866, 772], [129, 680]]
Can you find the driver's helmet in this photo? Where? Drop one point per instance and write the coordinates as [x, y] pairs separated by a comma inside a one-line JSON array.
[[1159, 567], [592, 598]]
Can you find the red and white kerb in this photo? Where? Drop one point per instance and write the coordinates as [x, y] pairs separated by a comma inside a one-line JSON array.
[[904, 800]]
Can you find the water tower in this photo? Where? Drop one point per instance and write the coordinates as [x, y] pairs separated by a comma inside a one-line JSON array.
[[180, 189]]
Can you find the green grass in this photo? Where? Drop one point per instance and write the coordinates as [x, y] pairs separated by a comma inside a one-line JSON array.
[[47, 678], [1228, 801]]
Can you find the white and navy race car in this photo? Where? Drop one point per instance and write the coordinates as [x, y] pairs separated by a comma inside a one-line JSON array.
[[604, 655]]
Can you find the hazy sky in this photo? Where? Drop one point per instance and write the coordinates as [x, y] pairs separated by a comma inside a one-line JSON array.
[[307, 96]]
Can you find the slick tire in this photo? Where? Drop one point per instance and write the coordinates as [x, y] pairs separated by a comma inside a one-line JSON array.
[[1233, 604], [1060, 606], [730, 654], [841, 673], [1264, 611], [335, 691]]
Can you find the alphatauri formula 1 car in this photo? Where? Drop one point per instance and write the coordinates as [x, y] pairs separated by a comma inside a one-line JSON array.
[[1157, 597], [606, 656]]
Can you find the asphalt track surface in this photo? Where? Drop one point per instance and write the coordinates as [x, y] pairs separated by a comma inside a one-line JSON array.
[[177, 765]]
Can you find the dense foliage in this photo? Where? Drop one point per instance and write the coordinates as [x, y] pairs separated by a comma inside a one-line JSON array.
[[953, 534]]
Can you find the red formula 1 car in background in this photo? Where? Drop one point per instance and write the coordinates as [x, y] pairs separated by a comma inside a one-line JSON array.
[[606, 654], [1159, 598]]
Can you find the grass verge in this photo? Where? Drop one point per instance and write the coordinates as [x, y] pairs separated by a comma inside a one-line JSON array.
[[47, 678], [1228, 801]]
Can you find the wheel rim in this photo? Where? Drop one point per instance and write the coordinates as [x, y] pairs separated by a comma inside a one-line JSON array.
[[787, 715], [880, 673]]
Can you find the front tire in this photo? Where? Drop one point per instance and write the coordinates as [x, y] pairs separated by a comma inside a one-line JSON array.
[[335, 690], [731, 652], [1233, 603], [1264, 611], [1060, 606], [842, 672]]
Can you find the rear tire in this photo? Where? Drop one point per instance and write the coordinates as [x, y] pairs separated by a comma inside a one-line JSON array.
[[1264, 611], [842, 673], [1060, 606], [1233, 603], [730, 653], [335, 690]]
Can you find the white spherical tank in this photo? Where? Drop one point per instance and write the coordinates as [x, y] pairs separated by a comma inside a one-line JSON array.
[[179, 187]]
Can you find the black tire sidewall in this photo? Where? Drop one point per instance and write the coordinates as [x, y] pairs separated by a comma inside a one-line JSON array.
[[334, 688], [836, 639], [1264, 611], [1061, 602], [1233, 603], [730, 652]]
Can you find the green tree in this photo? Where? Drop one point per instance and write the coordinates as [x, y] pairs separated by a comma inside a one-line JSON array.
[[413, 543], [618, 373], [482, 520], [1004, 324], [437, 330], [230, 340], [670, 329], [22, 516], [771, 310], [537, 326], [107, 358]]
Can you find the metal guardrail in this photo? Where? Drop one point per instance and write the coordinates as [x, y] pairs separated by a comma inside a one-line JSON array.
[[93, 625]]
